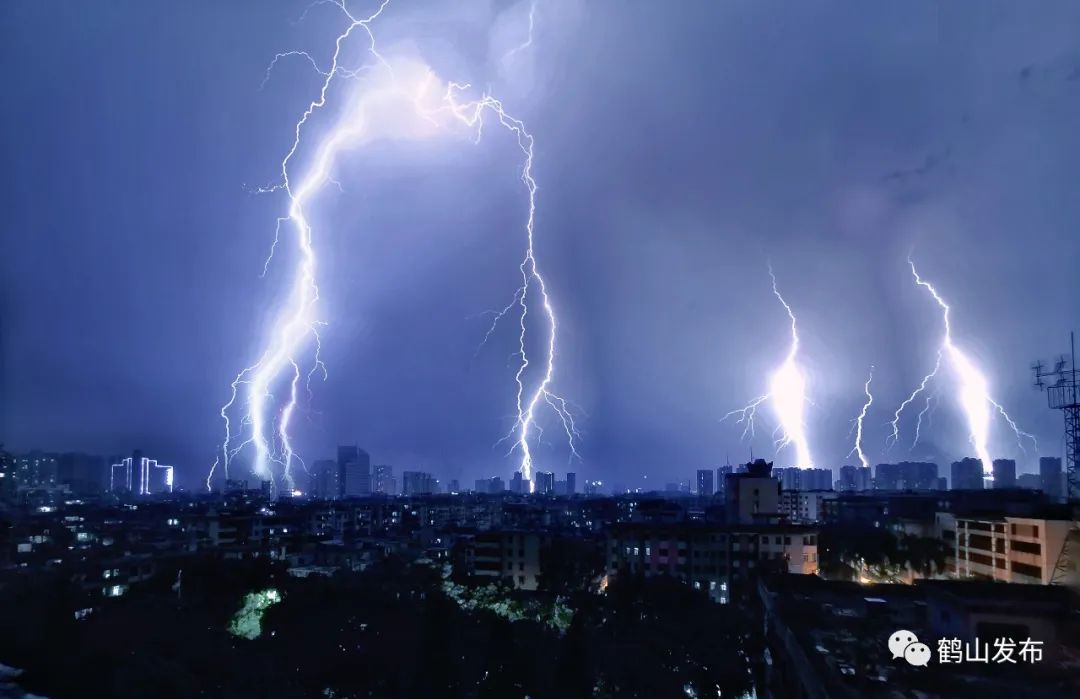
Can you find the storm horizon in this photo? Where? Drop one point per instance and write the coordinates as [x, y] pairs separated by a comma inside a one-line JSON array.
[[679, 160]]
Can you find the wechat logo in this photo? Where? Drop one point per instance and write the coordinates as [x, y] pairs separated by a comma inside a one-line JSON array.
[[906, 645]]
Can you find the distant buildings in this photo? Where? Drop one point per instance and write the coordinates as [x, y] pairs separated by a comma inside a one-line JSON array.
[[354, 472], [1050, 475], [721, 473], [84, 474], [36, 470], [571, 483], [138, 474], [545, 482], [324, 480], [418, 483], [967, 474], [518, 484], [383, 480], [593, 487], [804, 478], [907, 475], [490, 486], [1004, 473], [705, 483], [854, 479]]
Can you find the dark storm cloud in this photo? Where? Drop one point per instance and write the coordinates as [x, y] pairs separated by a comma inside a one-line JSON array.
[[679, 147]]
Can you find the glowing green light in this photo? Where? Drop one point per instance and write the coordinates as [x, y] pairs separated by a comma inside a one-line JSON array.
[[247, 622]]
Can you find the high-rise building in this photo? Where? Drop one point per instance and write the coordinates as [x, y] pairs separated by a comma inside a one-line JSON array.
[[817, 479], [492, 486], [906, 475], [793, 478], [354, 472], [7, 474], [571, 483], [518, 484], [545, 482], [752, 496], [1050, 475], [721, 473], [382, 479], [854, 479], [789, 478], [138, 474], [36, 470], [593, 487], [323, 484], [453, 486], [705, 483], [418, 483], [966, 474], [1004, 473], [82, 473]]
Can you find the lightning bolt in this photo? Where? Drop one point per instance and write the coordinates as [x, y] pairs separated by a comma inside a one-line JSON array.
[[787, 395], [402, 101], [857, 449], [529, 39], [973, 390]]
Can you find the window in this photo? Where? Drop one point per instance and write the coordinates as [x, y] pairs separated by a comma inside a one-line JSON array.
[[787, 541], [1026, 547], [1025, 569]]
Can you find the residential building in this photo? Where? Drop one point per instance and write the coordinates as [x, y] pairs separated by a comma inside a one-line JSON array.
[[705, 483], [906, 475], [1004, 473], [1050, 475], [1008, 549], [854, 479], [513, 556], [418, 483], [354, 472], [967, 474], [323, 484], [383, 480], [711, 557], [804, 505], [545, 482], [753, 496]]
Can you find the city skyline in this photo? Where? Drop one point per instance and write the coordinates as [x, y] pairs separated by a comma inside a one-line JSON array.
[[663, 327]]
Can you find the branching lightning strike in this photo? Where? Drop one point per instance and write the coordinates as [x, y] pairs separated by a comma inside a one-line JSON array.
[[787, 394], [404, 89], [973, 390], [857, 449]]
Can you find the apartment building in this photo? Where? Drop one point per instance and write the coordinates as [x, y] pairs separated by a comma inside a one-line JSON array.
[[710, 557], [1008, 549]]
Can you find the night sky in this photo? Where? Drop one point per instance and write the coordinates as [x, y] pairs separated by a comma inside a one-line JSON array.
[[680, 147]]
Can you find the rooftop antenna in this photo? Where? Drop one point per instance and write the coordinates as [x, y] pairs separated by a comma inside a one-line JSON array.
[[1064, 394]]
